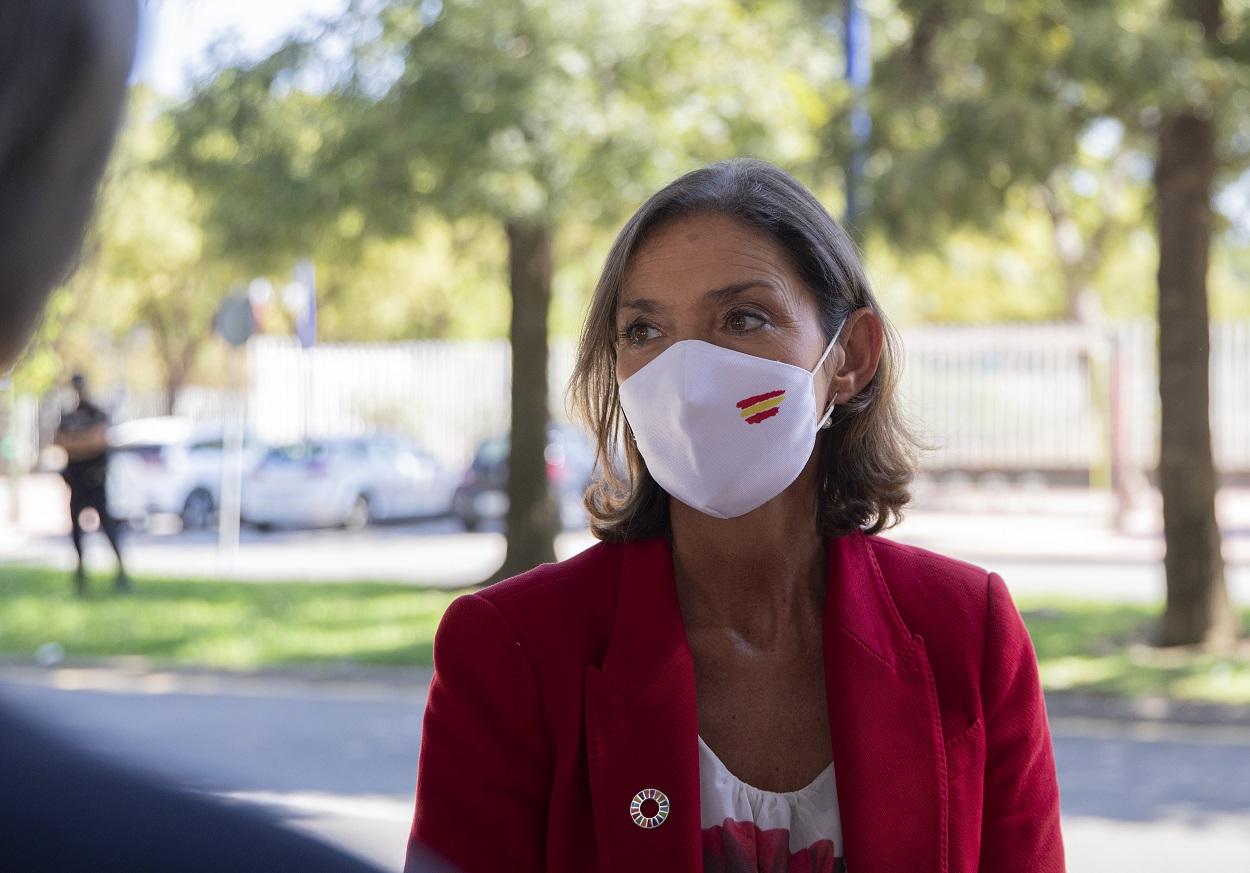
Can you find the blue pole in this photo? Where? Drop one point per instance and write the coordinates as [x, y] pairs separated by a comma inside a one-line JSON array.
[[859, 74]]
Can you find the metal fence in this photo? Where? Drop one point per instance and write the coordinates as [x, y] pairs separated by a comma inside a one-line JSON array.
[[1003, 398], [1059, 397]]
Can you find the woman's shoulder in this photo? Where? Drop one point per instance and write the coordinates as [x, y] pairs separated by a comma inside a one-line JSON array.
[[938, 596], [590, 574], [905, 562], [568, 603], [961, 610]]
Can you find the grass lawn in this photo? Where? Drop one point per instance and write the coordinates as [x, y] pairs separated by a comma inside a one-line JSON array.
[[1099, 648], [232, 625], [1104, 648]]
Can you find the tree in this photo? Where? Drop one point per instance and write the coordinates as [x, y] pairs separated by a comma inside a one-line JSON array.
[[151, 260], [533, 115], [1090, 205], [1198, 609], [975, 103]]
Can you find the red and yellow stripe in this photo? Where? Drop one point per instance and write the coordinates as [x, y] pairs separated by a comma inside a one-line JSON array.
[[761, 406]]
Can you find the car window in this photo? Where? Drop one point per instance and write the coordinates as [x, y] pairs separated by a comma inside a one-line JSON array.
[[413, 463], [146, 451], [296, 453], [383, 451], [355, 450], [492, 453]]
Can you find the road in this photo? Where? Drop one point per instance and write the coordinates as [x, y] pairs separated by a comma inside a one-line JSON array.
[[1024, 551], [338, 761], [1045, 543]]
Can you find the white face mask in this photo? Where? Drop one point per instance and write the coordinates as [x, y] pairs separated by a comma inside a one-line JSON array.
[[722, 431]]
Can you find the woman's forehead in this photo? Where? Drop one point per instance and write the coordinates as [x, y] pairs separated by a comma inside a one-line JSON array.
[[703, 253]]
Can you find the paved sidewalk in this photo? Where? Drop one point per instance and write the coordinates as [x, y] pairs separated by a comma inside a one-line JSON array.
[[1074, 525], [138, 675]]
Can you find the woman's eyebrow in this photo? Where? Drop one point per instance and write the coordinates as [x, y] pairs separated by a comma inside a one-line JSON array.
[[642, 304], [718, 295]]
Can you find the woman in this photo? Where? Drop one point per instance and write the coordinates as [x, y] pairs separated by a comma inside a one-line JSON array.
[[741, 676]]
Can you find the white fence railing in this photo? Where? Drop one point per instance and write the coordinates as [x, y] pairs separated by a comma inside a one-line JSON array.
[[1049, 397], [1043, 397]]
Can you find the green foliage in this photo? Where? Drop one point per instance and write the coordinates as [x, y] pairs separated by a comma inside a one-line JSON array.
[[152, 259], [563, 112], [984, 113], [1010, 164], [249, 145], [445, 280], [534, 110]]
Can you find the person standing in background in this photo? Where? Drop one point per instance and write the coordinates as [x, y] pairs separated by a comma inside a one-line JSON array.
[[83, 434]]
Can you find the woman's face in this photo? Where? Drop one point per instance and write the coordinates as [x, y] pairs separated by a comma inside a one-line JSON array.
[[712, 278]]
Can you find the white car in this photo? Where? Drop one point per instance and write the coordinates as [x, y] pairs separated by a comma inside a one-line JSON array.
[[346, 482], [170, 465]]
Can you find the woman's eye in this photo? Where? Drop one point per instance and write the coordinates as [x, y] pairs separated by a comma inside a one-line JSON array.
[[742, 321], [638, 333]]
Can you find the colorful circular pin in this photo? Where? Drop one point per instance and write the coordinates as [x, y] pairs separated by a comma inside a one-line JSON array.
[[649, 808]]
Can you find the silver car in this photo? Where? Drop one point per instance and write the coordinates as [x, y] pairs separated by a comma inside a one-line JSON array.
[[346, 482], [170, 466]]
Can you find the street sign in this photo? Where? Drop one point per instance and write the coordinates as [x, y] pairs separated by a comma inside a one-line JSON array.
[[234, 321]]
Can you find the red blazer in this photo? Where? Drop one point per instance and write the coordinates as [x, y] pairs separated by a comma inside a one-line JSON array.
[[559, 694]]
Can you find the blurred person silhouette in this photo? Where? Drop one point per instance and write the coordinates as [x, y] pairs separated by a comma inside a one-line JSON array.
[[83, 434], [63, 71]]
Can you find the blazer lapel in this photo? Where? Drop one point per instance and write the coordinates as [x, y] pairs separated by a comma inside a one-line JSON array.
[[641, 722], [885, 727], [884, 721]]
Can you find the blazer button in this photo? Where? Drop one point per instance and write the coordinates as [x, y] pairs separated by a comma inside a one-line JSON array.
[[649, 808]]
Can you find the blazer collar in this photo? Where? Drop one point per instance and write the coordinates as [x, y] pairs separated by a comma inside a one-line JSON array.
[[642, 725], [649, 634]]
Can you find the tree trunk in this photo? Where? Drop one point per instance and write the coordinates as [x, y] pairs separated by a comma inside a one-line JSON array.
[[177, 365], [532, 518], [173, 384], [1197, 609]]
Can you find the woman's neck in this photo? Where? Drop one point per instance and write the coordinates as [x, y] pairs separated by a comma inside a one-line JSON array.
[[756, 575]]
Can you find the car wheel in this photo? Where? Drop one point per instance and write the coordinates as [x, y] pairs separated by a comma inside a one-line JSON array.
[[197, 512], [359, 515]]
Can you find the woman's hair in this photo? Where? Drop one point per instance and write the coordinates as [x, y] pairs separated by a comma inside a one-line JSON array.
[[866, 455]]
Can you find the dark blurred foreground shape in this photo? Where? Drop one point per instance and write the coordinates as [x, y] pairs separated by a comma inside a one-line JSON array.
[[63, 70], [64, 810]]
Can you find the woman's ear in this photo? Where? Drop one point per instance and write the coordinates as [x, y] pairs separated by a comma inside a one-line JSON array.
[[857, 355]]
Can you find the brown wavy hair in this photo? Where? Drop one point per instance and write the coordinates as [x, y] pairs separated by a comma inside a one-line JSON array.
[[868, 453]]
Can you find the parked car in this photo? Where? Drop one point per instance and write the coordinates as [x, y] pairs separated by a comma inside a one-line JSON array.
[[483, 494], [170, 465], [346, 482]]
